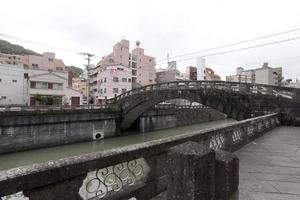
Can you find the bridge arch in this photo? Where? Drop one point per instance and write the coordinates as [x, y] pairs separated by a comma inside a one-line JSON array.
[[234, 99]]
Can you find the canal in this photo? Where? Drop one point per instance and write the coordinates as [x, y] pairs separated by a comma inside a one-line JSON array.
[[17, 159]]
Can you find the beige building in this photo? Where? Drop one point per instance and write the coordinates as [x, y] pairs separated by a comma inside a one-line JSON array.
[[264, 75], [121, 71], [81, 84]]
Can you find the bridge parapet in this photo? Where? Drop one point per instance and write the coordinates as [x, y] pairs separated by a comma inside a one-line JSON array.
[[131, 171], [248, 88], [236, 100]]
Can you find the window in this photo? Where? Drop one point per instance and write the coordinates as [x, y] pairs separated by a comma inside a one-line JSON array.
[[115, 90], [57, 86], [14, 57], [100, 91], [124, 79], [26, 67], [3, 97], [14, 80], [42, 85], [59, 68], [115, 79], [121, 69], [32, 84], [124, 90], [35, 66], [50, 85], [0, 80], [104, 90], [50, 59], [129, 80], [104, 80]]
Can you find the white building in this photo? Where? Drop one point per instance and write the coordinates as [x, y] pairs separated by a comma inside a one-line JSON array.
[[13, 85], [201, 64], [113, 81], [19, 86]]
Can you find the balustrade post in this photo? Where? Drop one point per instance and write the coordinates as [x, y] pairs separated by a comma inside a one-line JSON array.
[[228, 141], [244, 130], [191, 172], [157, 165], [65, 190]]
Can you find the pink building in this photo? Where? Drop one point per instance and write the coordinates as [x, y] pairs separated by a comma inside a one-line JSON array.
[[120, 71], [47, 61], [143, 67]]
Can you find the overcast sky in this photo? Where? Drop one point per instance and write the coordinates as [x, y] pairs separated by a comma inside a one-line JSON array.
[[162, 26]]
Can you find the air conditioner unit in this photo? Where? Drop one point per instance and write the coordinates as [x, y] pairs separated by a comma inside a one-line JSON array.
[[98, 135]]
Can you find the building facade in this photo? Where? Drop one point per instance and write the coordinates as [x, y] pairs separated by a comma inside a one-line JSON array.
[[46, 61], [113, 81], [191, 73], [207, 74], [21, 86], [81, 84], [121, 71], [264, 75]]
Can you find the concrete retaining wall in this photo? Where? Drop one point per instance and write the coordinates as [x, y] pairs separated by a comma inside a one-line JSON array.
[[29, 130], [168, 118]]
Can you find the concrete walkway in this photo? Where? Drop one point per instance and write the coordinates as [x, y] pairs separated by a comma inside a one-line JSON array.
[[270, 166]]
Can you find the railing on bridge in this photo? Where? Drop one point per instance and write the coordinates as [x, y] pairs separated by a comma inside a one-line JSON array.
[[132, 171], [13, 108], [173, 106], [248, 88]]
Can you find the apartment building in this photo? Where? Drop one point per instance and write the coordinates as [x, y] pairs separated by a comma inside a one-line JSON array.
[[121, 71], [264, 75], [10, 59], [46, 61]]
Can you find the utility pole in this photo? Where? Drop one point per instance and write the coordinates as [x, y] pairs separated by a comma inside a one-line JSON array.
[[88, 68]]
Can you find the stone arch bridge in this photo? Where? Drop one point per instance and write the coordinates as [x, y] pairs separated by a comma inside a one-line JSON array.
[[237, 100]]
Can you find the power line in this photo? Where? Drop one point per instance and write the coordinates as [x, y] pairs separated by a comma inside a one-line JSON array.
[[201, 51], [241, 49], [236, 43]]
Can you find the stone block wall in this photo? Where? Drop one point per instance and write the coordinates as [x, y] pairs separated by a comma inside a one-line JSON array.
[[30, 130], [169, 118]]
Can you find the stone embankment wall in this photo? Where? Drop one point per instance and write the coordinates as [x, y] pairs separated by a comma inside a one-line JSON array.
[[157, 119], [24, 130], [29, 130]]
